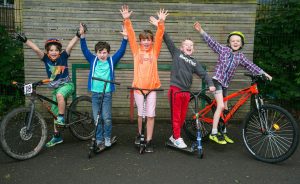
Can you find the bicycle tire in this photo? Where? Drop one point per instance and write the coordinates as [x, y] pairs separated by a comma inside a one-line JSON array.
[[15, 142], [81, 112], [277, 141], [189, 125]]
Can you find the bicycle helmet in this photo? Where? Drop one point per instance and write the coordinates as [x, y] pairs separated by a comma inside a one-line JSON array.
[[53, 41], [238, 33]]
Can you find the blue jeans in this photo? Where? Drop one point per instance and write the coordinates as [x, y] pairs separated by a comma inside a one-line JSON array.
[[105, 122]]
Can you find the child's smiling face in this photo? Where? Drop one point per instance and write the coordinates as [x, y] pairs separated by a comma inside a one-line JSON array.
[[53, 52], [146, 43], [187, 47], [235, 42]]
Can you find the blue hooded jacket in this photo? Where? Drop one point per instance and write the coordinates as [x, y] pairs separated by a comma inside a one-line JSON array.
[[112, 60]]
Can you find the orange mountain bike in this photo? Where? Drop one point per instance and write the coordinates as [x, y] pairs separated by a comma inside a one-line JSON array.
[[270, 133]]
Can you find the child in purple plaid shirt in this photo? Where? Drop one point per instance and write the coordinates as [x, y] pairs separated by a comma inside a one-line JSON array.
[[229, 59]]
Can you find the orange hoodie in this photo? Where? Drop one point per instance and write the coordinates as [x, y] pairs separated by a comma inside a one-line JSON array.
[[145, 62]]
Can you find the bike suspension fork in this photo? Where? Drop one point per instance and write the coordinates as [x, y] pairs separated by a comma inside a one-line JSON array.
[[29, 118], [261, 112]]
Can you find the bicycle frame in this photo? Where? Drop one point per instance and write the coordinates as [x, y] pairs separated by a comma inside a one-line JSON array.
[[43, 99], [33, 97], [244, 94]]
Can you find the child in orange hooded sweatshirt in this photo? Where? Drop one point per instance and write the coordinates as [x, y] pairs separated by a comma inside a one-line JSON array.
[[145, 57]]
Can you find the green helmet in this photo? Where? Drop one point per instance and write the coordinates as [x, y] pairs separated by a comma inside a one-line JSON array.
[[236, 33]]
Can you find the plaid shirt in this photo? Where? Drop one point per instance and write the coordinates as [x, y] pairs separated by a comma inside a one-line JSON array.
[[228, 62]]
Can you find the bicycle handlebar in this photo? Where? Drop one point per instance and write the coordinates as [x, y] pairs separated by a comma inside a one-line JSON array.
[[141, 89], [34, 84], [103, 80], [255, 78]]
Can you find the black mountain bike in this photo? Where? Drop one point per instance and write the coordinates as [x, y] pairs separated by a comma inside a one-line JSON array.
[[23, 131]]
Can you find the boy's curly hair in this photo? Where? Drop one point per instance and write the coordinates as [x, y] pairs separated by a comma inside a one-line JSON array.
[[102, 45], [146, 34]]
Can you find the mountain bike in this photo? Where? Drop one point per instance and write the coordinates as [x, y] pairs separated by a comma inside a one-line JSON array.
[[270, 133], [145, 93], [23, 131]]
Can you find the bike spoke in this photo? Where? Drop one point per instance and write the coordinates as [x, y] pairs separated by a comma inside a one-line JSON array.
[[278, 137]]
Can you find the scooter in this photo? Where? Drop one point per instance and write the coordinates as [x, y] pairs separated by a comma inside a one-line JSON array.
[[197, 145], [142, 145], [93, 148]]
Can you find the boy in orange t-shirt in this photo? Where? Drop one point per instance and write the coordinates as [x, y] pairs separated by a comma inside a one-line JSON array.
[[145, 57]]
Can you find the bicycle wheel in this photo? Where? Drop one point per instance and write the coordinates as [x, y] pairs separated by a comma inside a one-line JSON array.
[[80, 118], [190, 126], [16, 141], [276, 140]]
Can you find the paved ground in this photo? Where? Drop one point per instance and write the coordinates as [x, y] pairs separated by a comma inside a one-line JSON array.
[[68, 163]]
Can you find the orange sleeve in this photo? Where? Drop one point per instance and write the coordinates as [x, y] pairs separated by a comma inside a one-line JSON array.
[[159, 38], [131, 36]]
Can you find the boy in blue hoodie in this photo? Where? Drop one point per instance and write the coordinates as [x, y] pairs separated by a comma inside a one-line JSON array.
[[102, 65]]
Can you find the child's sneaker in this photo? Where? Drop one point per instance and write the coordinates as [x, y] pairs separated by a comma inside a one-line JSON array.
[[149, 147], [107, 142], [100, 147], [137, 139], [217, 138], [179, 143], [227, 139], [54, 141], [60, 121], [172, 139]]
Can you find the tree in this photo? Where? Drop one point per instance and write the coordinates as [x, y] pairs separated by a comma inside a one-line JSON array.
[[277, 50], [11, 57], [12, 68]]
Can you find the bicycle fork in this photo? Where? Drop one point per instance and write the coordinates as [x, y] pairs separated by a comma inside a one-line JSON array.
[[261, 114], [29, 118]]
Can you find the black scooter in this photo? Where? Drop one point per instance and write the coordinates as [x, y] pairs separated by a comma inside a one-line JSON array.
[[93, 148]]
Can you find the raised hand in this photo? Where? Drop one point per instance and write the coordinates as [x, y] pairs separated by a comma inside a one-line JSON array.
[[20, 37], [82, 30], [162, 14], [153, 21], [198, 27], [125, 12], [124, 32]]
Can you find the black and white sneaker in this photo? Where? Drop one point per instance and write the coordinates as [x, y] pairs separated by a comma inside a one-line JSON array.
[[149, 147], [137, 139]]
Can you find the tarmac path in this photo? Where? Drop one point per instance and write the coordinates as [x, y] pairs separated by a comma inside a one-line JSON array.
[[68, 163]]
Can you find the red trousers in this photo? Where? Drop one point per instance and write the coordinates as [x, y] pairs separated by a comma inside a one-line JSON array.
[[179, 102]]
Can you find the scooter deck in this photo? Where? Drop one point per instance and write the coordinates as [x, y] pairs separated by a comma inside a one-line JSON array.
[[113, 141], [187, 149]]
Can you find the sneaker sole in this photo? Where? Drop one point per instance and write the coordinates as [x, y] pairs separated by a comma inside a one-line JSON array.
[[230, 142], [217, 141], [54, 144], [60, 124]]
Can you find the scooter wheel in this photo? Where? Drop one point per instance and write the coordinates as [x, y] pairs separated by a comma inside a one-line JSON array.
[[142, 149], [90, 154], [200, 154]]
